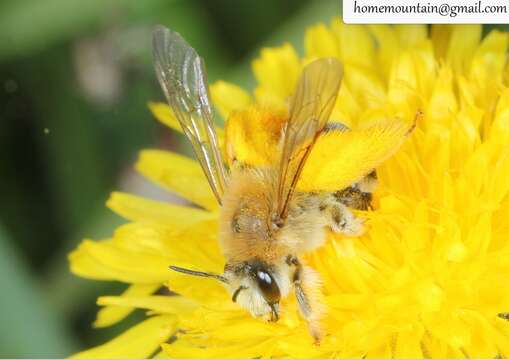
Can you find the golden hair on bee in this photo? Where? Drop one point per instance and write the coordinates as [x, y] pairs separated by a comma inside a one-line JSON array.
[[252, 135], [279, 189]]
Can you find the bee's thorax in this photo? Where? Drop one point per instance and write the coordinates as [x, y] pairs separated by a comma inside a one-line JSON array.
[[250, 226]]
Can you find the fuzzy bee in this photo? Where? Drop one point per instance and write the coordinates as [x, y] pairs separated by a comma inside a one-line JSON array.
[[281, 187]]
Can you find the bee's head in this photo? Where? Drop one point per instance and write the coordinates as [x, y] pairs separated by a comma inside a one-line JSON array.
[[258, 286], [254, 285]]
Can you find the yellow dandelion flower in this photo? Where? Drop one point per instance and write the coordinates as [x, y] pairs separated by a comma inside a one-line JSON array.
[[429, 276]]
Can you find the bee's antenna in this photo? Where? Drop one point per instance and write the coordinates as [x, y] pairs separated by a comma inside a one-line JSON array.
[[199, 273]]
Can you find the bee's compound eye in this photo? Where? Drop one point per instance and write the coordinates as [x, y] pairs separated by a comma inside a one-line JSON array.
[[268, 287]]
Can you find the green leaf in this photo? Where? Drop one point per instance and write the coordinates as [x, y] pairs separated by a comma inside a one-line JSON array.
[[29, 329], [27, 26]]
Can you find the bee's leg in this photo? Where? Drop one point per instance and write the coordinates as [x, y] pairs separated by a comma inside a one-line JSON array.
[[359, 195], [307, 286], [336, 206], [340, 218]]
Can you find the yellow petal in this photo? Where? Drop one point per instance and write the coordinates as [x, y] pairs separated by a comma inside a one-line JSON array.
[[498, 185], [365, 86], [164, 114], [411, 35], [177, 305], [277, 70], [266, 98], [408, 345], [207, 292], [500, 128], [235, 325], [491, 54], [425, 67], [506, 74], [228, 98], [388, 47], [402, 92], [463, 42], [321, 42], [197, 249], [184, 349], [196, 245], [362, 53], [487, 74], [440, 36], [178, 174], [150, 238], [112, 314], [140, 341], [136, 208], [102, 260], [443, 101]]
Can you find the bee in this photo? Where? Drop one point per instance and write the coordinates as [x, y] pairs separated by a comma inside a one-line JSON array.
[[266, 223]]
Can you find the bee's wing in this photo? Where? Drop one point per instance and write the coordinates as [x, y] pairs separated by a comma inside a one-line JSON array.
[[181, 73], [310, 109]]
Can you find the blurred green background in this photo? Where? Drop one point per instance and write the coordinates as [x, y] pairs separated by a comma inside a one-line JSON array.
[[75, 79]]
